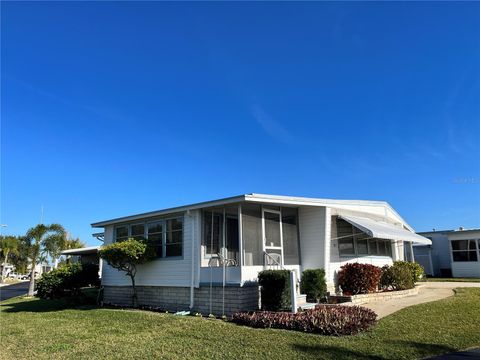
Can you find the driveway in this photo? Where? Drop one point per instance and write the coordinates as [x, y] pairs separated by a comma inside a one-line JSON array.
[[10, 291], [429, 291]]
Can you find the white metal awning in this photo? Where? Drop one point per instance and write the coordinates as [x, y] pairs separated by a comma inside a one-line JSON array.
[[81, 251], [383, 230]]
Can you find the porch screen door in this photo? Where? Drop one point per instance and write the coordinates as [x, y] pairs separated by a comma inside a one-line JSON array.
[[272, 237]]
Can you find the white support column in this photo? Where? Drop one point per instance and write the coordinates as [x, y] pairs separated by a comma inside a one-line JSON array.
[[328, 240], [293, 291], [412, 257], [240, 241]]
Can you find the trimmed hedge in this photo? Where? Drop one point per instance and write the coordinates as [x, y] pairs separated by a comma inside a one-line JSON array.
[[313, 284], [67, 280], [275, 289], [325, 320], [356, 278]]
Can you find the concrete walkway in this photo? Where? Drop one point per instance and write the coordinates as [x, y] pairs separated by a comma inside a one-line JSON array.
[[429, 291]]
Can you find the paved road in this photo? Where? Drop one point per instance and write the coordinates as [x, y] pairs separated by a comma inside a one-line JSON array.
[[7, 292]]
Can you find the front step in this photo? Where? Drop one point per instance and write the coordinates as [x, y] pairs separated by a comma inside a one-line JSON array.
[[302, 302], [307, 306], [301, 299]]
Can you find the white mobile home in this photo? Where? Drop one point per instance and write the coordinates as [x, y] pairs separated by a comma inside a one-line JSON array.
[[209, 254], [452, 253]]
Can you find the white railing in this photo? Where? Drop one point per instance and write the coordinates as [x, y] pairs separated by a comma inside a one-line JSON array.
[[219, 261]]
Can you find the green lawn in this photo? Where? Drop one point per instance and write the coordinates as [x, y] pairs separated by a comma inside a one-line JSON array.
[[32, 328], [453, 279]]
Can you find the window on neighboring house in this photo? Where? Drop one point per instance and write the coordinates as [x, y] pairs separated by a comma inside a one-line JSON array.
[[121, 233], [464, 250], [174, 237]]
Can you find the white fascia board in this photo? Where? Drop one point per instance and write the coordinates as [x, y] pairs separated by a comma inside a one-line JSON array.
[[178, 209]]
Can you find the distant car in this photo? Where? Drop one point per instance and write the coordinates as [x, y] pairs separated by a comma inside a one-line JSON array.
[[22, 277]]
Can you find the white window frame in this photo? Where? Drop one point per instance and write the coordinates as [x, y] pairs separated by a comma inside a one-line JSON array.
[[477, 250], [163, 221]]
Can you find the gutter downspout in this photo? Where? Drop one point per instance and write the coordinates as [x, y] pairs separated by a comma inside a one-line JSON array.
[[192, 269]]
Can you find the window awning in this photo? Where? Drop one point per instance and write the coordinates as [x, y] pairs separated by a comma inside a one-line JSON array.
[[383, 230]]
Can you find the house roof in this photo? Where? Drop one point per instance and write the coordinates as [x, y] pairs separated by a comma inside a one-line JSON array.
[[81, 251], [447, 231], [253, 197]]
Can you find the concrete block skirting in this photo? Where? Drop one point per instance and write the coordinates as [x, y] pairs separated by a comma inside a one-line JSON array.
[[173, 299]]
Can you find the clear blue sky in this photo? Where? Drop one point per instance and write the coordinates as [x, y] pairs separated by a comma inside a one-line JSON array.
[[110, 109]]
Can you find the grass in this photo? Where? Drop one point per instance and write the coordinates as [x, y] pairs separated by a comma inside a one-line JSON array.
[[41, 329], [453, 279]]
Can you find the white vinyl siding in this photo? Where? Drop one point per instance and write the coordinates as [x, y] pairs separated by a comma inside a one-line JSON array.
[[163, 271], [312, 229]]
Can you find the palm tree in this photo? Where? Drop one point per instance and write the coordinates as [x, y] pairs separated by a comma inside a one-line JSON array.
[[39, 237], [74, 244], [53, 246], [9, 245]]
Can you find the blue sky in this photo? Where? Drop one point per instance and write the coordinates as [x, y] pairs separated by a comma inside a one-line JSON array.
[[115, 108]]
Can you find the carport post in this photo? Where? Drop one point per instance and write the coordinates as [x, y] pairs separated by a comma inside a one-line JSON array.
[[412, 258]]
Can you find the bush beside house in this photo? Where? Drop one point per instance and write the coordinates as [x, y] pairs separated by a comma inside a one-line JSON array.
[[67, 280], [313, 284], [396, 278], [324, 320], [275, 289], [356, 278]]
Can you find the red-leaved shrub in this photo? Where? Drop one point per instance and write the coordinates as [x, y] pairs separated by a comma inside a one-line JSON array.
[[325, 320], [358, 278]]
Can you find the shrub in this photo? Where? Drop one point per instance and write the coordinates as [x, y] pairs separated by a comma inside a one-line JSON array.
[[325, 320], [358, 278], [415, 269], [396, 277], [313, 284], [66, 280], [275, 290]]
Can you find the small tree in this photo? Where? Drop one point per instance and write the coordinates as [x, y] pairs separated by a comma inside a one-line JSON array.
[[125, 256]]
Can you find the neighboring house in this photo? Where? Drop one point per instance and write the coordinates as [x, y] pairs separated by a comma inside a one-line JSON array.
[[86, 255], [9, 269], [452, 253], [209, 254]]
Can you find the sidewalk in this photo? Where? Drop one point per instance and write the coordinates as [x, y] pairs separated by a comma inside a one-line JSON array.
[[429, 291]]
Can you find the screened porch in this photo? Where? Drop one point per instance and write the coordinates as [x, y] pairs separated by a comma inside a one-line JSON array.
[[238, 241]]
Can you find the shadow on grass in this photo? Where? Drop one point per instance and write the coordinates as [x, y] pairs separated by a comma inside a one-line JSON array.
[[334, 352], [418, 349], [423, 349], [36, 305]]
